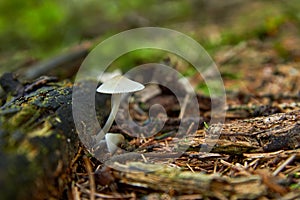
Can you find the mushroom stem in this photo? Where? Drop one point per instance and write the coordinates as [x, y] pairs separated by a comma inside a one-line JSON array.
[[115, 103]]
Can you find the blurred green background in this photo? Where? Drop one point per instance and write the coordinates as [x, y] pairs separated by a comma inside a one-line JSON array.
[[34, 30]]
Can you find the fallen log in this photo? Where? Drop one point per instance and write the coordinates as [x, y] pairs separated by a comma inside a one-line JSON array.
[[37, 139], [275, 132], [173, 181]]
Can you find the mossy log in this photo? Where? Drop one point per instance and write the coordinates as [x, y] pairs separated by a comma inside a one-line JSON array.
[[37, 138]]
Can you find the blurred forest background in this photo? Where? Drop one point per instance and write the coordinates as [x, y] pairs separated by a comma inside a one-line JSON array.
[[32, 30]]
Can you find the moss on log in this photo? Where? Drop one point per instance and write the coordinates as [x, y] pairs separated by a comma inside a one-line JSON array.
[[37, 138]]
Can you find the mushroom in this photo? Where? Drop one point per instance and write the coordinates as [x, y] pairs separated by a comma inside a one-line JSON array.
[[113, 140], [116, 86]]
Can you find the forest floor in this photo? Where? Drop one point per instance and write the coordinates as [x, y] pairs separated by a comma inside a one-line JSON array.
[[256, 156]]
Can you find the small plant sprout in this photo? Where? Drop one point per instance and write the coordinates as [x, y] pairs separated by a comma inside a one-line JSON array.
[[116, 86], [206, 126]]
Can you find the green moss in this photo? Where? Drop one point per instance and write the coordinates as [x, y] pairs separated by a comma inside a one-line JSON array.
[[295, 186], [23, 117], [30, 132]]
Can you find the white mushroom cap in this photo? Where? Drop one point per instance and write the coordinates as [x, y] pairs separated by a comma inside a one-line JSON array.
[[109, 75], [119, 84]]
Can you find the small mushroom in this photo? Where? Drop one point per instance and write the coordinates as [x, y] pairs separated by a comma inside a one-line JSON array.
[[116, 86], [113, 140]]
